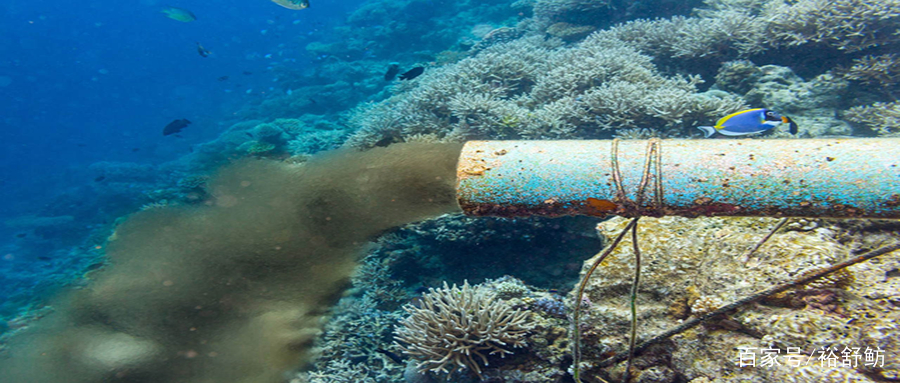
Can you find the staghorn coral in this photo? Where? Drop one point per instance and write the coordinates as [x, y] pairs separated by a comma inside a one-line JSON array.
[[734, 28], [881, 117], [456, 329], [375, 279], [721, 33], [878, 77], [531, 88], [337, 371], [354, 333], [850, 25], [503, 71], [883, 70]]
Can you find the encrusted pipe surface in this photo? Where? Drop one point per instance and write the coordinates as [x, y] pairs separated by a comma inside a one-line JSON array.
[[853, 177]]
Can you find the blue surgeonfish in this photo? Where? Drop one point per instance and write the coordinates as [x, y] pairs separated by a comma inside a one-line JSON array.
[[748, 122]]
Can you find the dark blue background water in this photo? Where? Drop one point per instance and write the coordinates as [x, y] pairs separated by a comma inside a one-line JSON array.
[[97, 80]]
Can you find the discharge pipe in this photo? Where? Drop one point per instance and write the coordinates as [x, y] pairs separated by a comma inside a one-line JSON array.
[[845, 178]]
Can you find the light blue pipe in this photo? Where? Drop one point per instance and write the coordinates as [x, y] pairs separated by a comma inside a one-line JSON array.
[[858, 178]]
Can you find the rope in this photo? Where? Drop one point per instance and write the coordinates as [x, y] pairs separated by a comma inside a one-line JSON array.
[[654, 152], [652, 158]]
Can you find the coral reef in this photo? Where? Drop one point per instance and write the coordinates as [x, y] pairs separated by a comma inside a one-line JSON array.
[[729, 27], [356, 334], [694, 266], [851, 25], [881, 71], [737, 76], [457, 328], [540, 252], [551, 306], [779, 88], [510, 288], [882, 118], [530, 88], [534, 69], [258, 148], [338, 371]]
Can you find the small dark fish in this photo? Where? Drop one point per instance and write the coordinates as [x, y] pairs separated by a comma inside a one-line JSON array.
[[203, 52], [81, 145], [247, 72], [21, 235], [175, 126], [412, 73], [392, 71], [133, 150], [100, 178], [396, 358], [222, 78], [250, 135]]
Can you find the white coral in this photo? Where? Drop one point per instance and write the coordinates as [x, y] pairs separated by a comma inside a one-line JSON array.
[[457, 328]]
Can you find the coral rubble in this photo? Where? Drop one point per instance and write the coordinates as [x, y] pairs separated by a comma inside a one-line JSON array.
[[694, 266]]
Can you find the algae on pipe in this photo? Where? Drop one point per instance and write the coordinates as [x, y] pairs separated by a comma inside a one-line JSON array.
[[850, 178]]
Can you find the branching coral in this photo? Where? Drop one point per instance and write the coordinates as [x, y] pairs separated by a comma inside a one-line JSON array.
[[883, 118], [339, 371], [532, 89], [458, 328], [536, 88], [851, 25], [743, 27], [881, 71], [501, 72], [718, 33]]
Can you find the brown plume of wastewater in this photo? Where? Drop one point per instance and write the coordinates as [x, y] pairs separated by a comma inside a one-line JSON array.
[[233, 290]]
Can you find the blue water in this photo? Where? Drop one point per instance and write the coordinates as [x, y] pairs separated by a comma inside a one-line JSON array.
[[98, 80]]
